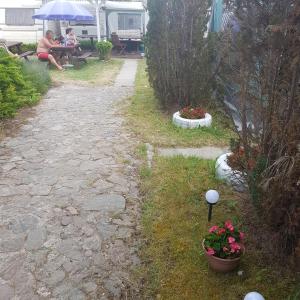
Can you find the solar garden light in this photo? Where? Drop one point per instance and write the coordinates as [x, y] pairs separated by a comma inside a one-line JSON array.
[[212, 197], [254, 296]]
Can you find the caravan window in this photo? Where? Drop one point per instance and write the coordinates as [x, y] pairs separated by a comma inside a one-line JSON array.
[[19, 16], [129, 21]]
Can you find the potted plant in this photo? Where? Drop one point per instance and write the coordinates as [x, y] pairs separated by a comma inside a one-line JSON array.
[[223, 247], [104, 49], [190, 117]]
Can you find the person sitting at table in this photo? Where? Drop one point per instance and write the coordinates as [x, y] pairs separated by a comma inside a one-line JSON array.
[[43, 48], [71, 39]]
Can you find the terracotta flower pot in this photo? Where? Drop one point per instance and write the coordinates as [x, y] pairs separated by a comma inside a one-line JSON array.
[[220, 264]]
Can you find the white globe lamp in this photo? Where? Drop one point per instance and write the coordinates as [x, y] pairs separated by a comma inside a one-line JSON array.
[[212, 197], [254, 296]]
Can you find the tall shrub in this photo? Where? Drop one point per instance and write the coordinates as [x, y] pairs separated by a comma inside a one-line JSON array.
[[179, 57], [263, 63]]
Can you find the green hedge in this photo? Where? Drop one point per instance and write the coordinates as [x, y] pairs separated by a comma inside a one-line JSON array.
[[86, 45], [28, 47], [20, 84]]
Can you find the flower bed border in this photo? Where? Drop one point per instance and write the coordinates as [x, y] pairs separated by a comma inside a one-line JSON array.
[[190, 123]]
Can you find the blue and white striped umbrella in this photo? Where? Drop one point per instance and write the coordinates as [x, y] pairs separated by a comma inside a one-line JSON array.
[[63, 10]]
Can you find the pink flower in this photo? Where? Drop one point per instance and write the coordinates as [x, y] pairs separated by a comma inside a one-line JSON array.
[[221, 231], [225, 249], [210, 251], [229, 226], [231, 240], [213, 229], [242, 235], [235, 247]]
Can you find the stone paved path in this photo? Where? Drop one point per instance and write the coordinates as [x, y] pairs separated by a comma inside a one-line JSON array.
[[69, 198]]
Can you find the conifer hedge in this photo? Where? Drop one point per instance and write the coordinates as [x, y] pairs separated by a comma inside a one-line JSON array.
[[179, 57]]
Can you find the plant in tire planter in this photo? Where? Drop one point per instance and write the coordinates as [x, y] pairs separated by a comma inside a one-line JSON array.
[[223, 247], [104, 49], [190, 117], [237, 160], [192, 113]]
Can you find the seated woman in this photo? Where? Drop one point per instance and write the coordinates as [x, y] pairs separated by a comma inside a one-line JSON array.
[[71, 39], [44, 45]]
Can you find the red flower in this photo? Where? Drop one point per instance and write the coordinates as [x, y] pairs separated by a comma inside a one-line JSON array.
[[192, 113], [229, 226], [231, 240], [210, 251], [235, 247], [221, 231], [213, 229]]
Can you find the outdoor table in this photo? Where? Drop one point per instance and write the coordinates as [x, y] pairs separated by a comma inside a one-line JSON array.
[[17, 45], [62, 51]]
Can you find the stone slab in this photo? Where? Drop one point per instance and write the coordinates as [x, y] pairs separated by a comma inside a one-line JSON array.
[[203, 152]]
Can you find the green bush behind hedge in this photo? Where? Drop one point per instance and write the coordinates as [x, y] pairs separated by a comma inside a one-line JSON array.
[[28, 47], [86, 45]]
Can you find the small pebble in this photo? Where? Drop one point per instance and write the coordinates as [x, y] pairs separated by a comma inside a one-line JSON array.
[[72, 210]]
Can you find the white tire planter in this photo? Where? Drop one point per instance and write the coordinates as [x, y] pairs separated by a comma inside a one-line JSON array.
[[189, 123], [232, 177]]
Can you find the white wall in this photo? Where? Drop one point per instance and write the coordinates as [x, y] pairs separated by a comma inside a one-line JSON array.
[[26, 34]]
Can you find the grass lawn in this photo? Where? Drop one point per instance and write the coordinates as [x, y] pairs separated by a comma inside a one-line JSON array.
[[155, 127], [175, 221], [95, 72]]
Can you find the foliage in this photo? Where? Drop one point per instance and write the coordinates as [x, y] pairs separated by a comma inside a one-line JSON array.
[[224, 241], [86, 45], [15, 89], [104, 49], [154, 126], [238, 160], [28, 47], [262, 59], [174, 222], [192, 113], [38, 74], [179, 57]]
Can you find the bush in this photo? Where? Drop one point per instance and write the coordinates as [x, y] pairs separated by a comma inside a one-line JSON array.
[[179, 57], [86, 45], [262, 60], [38, 74], [28, 47], [104, 49], [17, 88]]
